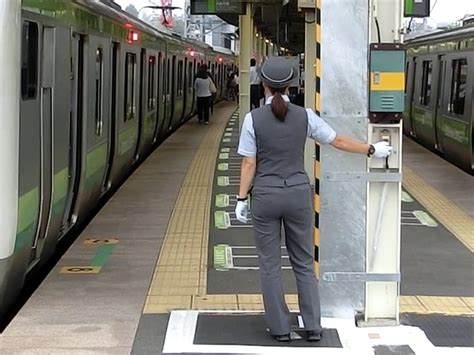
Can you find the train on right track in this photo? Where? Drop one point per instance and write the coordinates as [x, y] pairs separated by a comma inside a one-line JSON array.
[[439, 106]]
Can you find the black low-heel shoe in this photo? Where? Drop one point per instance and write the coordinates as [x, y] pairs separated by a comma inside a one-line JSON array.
[[313, 335], [285, 338]]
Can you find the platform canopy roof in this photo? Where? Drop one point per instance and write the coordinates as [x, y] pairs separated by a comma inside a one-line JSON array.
[[278, 20]]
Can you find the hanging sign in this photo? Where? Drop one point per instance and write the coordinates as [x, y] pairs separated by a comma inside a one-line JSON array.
[[213, 7]]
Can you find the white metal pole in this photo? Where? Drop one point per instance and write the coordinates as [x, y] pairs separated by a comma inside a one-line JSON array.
[[246, 38], [10, 67]]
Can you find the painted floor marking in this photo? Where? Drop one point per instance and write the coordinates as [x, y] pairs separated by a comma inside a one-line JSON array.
[[182, 327], [80, 270], [458, 222], [406, 197], [100, 241], [106, 248]]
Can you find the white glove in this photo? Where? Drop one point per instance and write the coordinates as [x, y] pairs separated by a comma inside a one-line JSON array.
[[382, 149], [241, 211]]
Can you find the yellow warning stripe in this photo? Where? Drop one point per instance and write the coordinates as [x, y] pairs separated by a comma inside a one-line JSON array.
[[317, 167]]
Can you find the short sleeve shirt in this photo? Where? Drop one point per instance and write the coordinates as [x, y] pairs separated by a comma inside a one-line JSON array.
[[318, 129]]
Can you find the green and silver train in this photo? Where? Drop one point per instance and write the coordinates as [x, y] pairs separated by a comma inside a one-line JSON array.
[[87, 91], [439, 112]]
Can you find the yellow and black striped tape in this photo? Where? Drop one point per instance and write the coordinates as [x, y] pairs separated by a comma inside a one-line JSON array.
[[317, 161]]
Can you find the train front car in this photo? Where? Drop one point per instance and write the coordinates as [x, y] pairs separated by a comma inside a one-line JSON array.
[[439, 111], [10, 64]]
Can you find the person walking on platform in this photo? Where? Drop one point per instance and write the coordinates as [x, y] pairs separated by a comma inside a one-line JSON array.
[[255, 85], [272, 145], [204, 87]]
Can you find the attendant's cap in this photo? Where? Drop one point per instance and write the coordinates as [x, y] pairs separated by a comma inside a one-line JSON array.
[[276, 72]]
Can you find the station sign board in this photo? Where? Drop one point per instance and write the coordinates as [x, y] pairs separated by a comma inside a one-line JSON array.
[[417, 8], [213, 7]]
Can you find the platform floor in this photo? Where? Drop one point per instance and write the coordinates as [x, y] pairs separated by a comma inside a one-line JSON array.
[[178, 275]]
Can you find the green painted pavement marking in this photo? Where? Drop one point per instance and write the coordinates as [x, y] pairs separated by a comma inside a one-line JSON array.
[[223, 180], [406, 197], [425, 219], [225, 150], [223, 167], [227, 134], [100, 259], [226, 140], [223, 257], [224, 156], [222, 200], [230, 129], [221, 220]]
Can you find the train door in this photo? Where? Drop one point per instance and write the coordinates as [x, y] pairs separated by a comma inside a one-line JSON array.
[[112, 131], [141, 98], [179, 98], [46, 134], [439, 100], [148, 111], [454, 127], [96, 123], [168, 94], [75, 136], [161, 99], [189, 89], [411, 98], [30, 142]]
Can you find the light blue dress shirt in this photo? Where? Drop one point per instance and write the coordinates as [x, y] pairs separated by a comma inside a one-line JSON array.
[[318, 130]]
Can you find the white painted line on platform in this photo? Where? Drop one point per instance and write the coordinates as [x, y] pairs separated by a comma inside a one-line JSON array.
[[242, 256], [255, 268]]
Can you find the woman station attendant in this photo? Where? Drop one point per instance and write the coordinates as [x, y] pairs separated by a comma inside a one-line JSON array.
[[272, 145], [204, 87]]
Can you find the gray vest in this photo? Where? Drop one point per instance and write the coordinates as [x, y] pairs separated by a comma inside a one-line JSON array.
[[280, 147]]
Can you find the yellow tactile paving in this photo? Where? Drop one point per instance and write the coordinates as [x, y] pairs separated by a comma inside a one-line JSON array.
[[437, 304], [469, 301], [158, 304], [215, 302], [445, 305], [181, 271], [451, 216], [411, 304]]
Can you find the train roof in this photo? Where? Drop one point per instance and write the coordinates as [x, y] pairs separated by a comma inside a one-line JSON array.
[[113, 12], [456, 33]]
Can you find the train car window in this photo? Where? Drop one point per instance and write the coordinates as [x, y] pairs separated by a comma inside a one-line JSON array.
[[458, 86], [426, 82], [99, 87], [180, 78], [29, 60], [130, 76], [151, 83]]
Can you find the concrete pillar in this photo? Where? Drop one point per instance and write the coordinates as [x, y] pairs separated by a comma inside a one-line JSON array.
[[343, 193], [246, 43]]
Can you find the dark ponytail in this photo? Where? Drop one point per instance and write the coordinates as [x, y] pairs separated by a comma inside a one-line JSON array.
[[279, 106]]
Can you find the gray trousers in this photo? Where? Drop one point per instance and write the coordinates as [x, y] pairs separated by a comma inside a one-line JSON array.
[[292, 207]]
